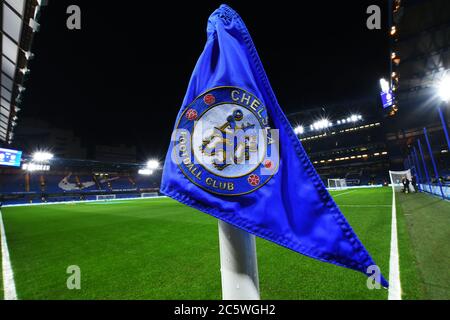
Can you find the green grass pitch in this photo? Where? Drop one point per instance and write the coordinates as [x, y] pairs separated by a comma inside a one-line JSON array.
[[160, 249]]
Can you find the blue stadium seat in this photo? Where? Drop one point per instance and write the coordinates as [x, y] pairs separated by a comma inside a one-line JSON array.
[[12, 183]]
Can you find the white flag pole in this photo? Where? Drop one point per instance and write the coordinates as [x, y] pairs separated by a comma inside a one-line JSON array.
[[238, 263]]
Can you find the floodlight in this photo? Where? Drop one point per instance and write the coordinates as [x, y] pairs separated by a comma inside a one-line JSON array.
[[384, 85], [322, 124], [24, 70], [29, 55], [145, 172], [35, 167], [444, 88], [299, 130], [393, 30], [153, 164], [41, 156], [354, 117]]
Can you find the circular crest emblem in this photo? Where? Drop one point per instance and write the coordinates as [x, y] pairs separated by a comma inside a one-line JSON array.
[[222, 142]]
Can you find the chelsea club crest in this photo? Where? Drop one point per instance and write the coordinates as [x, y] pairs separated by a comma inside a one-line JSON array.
[[223, 142]]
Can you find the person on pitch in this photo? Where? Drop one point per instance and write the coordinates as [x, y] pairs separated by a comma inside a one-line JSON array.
[[404, 184], [414, 183]]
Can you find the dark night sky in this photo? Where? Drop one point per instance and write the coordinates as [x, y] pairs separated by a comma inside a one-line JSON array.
[[122, 77]]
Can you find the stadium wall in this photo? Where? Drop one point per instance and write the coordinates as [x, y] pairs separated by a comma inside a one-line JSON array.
[[436, 190]]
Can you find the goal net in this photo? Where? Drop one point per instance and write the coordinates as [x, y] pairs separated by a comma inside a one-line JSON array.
[[337, 184], [106, 197], [397, 179], [149, 194]]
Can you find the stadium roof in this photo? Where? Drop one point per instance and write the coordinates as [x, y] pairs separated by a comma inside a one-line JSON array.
[[422, 46], [18, 21]]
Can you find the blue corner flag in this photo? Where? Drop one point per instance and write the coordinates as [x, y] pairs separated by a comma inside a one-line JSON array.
[[234, 155]]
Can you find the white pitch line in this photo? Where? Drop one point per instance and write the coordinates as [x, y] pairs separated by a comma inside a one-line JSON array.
[[9, 287], [395, 290], [76, 201], [340, 194]]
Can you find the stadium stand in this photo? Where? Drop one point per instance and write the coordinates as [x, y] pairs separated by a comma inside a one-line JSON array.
[[345, 141], [51, 183], [123, 183], [12, 183], [73, 183]]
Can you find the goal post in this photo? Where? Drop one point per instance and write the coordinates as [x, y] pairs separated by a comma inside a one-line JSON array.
[[105, 197], [337, 184], [397, 178]]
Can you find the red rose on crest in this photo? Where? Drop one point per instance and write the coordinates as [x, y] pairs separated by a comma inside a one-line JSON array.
[[191, 114], [209, 99], [268, 164], [253, 180]]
